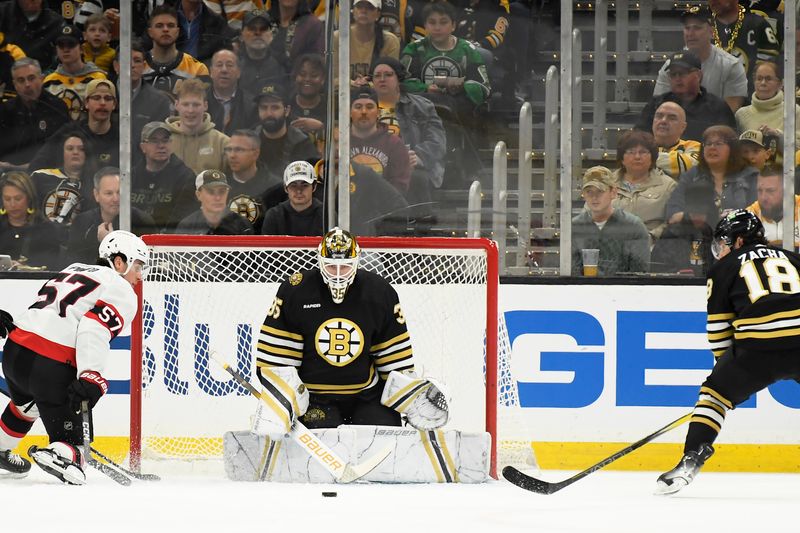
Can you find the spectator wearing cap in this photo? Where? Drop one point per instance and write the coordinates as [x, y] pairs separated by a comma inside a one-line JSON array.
[[413, 118], [214, 217], [100, 127], [622, 238], [148, 104], [373, 145], [32, 27], [368, 42], [297, 31], [161, 184], [72, 76], [281, 143], [166, 65], [202, 32], [769, 206], [90, 228], [249, 179], [757, 149], [33, 115], [308, 112], [766, 110], [703, 108], [258, 65], [230, 107], [302, 214], [195, 140], [234, 11], [675, 154], [723, 74]]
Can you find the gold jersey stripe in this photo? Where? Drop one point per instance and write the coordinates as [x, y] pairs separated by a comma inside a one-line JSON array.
[[711, 392], [274, 350], [767, 318], [386, 359], [707, 421], [281, 333], [711, 405], [342, 389], [721, 316], [767, 334], [721, 335], [377, 347]]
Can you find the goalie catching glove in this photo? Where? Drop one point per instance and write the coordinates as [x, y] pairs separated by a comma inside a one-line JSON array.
[[284, 397], [420, 399]]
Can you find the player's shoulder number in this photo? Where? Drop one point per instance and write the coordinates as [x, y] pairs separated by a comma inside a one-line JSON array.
[[275, 308]]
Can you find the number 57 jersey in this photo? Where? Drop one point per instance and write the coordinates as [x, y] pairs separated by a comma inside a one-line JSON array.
[[76, 314], [754, 300]]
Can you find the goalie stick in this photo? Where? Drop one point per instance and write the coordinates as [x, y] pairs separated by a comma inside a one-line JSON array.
[[341, 471], [116, 475], [539, 486]]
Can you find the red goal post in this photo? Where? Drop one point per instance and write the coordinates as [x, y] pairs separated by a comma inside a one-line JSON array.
[[211, 293]]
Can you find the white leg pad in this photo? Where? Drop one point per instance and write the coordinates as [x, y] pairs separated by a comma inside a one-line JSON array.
[[436, 456]]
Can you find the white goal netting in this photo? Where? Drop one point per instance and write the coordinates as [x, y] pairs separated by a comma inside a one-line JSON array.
[[212, 294]]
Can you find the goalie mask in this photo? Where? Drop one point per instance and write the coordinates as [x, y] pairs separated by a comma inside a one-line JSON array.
[[338, 261], [124, 243]]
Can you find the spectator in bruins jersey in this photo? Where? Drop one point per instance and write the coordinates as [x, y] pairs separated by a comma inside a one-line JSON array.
[[96, 47], [744, 35], [249, 177], [214, 217], [362, 311], [722, 165], [757, 149], [161, 184], [90, 228], [769, 206], [414, 119], [258, 64], [308, 111], [66, 190], [297, 31], [675, 155], [752, 295], [72, 76], [302, 214], [9, 54], [368, 41], [373, 145], [25, 234], [32, 27], [195, 140], [33, 115], [165, 63], [100, 127], [230, 107], [766, 110]]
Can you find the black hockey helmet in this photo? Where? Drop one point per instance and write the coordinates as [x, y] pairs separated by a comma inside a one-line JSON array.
[[738, 223]]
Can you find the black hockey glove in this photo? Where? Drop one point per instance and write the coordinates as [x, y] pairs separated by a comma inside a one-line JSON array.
[[90, 386], [6, 324]]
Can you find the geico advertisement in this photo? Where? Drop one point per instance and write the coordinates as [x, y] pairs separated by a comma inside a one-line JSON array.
[[591, 363], [604, 363]]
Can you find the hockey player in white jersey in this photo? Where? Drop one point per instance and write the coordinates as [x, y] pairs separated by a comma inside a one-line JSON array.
[[56, 353]]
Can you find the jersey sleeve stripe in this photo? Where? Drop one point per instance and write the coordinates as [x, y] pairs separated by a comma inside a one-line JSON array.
[[721, 316], [391, 358], [390, 342], [281, 333], [266, 362], [275, 350], [767, 334], [278, 341], [717, 326], [400, 366], [767, 318]]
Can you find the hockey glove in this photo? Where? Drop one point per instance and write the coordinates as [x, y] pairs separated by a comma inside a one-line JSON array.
[[6, 324], [90, 386], [422, 400]]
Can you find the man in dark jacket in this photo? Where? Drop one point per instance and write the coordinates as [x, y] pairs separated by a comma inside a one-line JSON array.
[[231, 108], [202, 32], [31, 27], [214, 217], [301, 214], [257, 63]]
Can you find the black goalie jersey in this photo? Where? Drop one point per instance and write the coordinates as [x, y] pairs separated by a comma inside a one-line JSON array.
[[337, 348], [754, 300]]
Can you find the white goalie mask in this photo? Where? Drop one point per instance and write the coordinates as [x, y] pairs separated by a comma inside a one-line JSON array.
[[125, 243], [338, 261]]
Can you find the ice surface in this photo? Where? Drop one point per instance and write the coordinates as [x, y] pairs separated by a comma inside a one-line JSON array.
[[613, 502]]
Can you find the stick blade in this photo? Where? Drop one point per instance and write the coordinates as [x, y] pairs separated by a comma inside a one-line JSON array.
[[354, 472], [527, 482]]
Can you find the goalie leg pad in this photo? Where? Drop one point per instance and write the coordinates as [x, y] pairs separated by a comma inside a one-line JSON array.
[[284, 397], [420, 399]]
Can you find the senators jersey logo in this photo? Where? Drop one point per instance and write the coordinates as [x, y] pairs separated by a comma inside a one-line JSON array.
[[339, 341]]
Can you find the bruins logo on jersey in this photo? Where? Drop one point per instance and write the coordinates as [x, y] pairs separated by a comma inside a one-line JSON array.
[[440, 66], [339, 341], [245, 206], [61, 205]]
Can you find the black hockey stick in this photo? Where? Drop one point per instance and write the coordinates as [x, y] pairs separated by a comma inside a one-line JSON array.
[[86, 424], [538, 486], [131, 473]]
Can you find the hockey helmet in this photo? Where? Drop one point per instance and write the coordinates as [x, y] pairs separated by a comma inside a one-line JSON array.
[[338, 261], [738, 223], [124, 243]]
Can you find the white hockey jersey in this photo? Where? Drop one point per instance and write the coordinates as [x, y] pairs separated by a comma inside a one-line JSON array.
[[76, 315]]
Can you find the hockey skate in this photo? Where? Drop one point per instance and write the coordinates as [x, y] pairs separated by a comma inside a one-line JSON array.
[[60, 460], [683, 474], [12, 465]]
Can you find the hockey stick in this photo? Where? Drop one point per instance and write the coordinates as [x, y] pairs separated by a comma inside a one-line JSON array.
[[341, 471], [131, 473], [116, 475], [538, 486]]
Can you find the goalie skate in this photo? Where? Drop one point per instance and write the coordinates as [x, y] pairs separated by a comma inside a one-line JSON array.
[[12, 465], [55, 460], [683, 474]]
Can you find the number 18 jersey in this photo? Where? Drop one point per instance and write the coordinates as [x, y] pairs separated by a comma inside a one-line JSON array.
[[76, 314], [754, 299]]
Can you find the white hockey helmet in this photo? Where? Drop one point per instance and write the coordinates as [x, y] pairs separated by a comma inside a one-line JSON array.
[[338, 261], [125, 243]]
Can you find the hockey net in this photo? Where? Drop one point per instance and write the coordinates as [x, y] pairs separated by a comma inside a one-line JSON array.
[[211, 294]]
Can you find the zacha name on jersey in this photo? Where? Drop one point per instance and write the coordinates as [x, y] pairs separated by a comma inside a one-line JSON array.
[[760, 253]]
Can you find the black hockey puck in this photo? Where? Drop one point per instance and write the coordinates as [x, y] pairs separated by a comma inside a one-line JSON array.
[[329, 494]]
